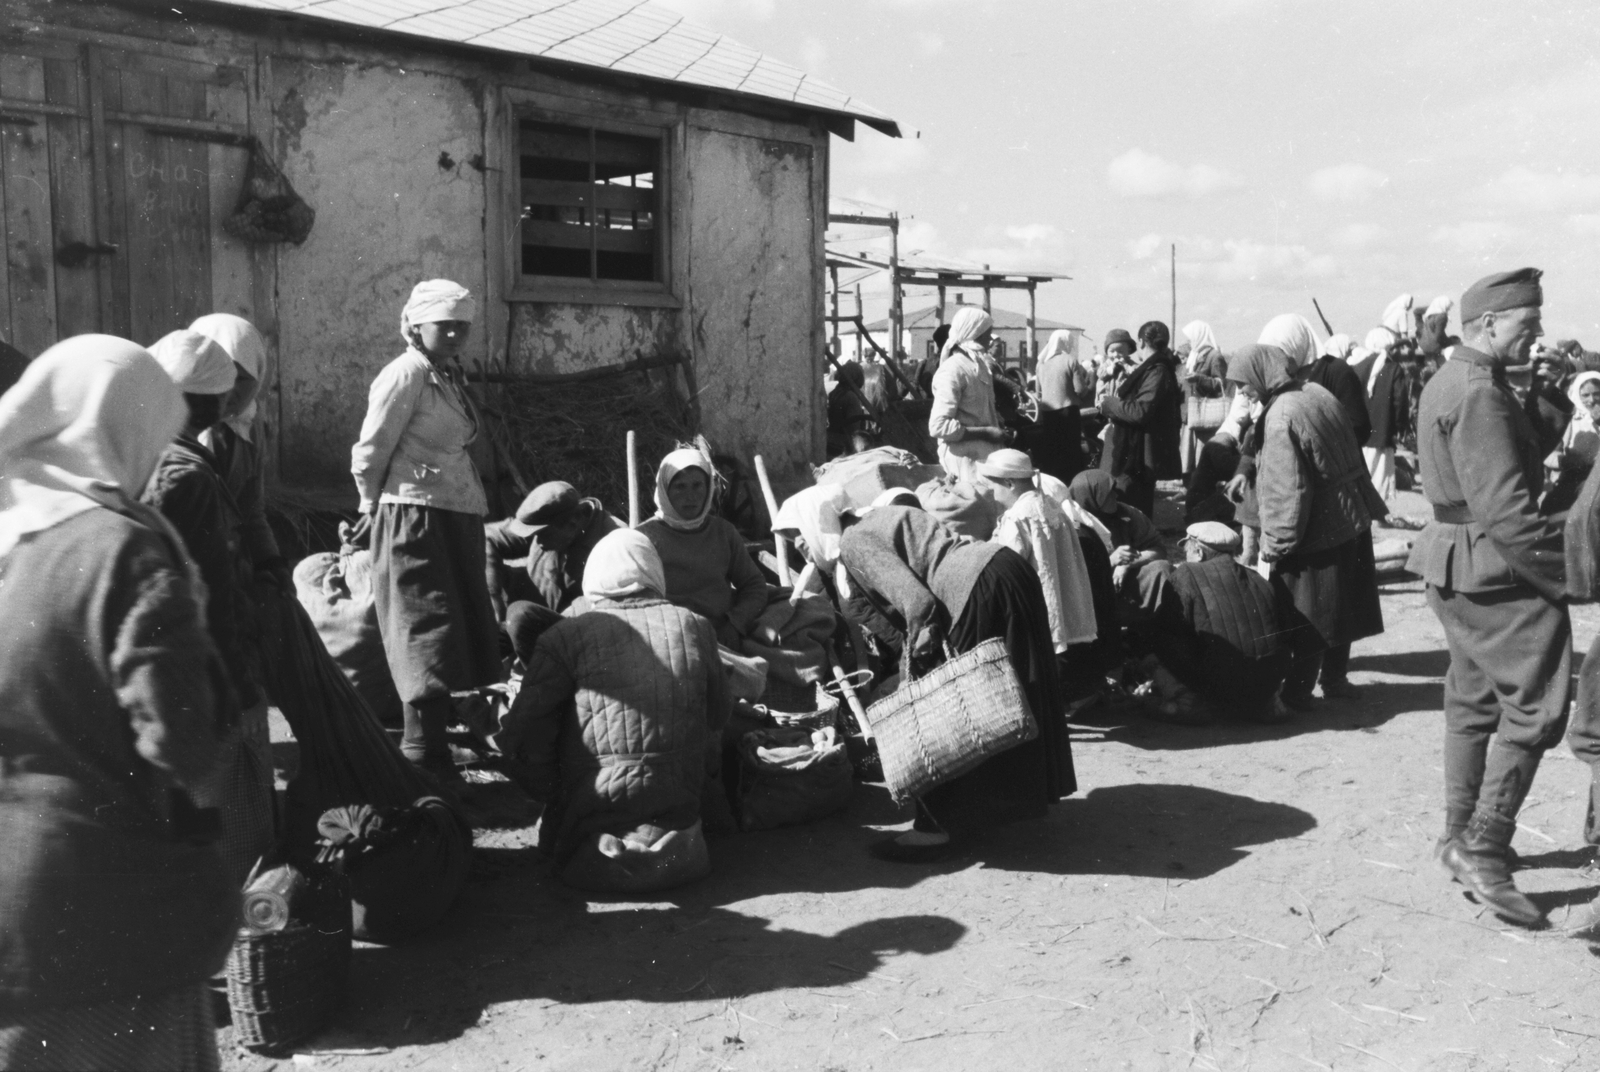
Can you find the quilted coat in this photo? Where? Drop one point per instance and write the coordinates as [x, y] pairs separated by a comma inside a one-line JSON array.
[[1311, 480], [617, 719]]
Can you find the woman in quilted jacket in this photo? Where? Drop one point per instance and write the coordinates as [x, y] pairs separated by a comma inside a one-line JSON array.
[[616, 724], [1317, 504]]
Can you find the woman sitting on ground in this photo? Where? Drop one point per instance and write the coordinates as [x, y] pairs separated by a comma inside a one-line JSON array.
[[707, 567], [1138, 557], [939, 589], [616, 723]]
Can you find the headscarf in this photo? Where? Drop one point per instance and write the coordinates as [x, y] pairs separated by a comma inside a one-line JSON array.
[[1094, 490], [673, 464], [1580, 412], [1061, 343], [1292, 334], [624, 563], [813, 513], [1380, 341], [1440, 306], [1266, 368], [969, 323], [1397, 317], [434, 300], [84, 427], [196, 364], [1339, 346], [243, 343], [1201, 340], [1059, 493]]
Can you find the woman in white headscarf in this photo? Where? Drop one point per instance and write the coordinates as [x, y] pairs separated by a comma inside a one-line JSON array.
[[707, 567], [1206, 396], [1387, 394], [189, 491], [1065, 386], [114, 906], [1572, 459], [422, 494], [233, 441], [1398, 317], [964, 420], [617, 723], [1293, 334]]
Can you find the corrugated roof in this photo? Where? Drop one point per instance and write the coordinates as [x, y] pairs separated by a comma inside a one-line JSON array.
[[631, 36]]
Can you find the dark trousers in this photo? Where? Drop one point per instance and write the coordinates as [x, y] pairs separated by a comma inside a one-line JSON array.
[[1510, 679]]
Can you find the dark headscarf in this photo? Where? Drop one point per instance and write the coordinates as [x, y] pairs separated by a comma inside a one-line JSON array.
[[1270, 372], [1094, 490]]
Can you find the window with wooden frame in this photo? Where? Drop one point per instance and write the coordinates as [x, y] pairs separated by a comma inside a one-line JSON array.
[[591, 203]]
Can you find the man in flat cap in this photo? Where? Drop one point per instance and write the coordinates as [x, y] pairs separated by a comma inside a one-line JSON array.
[[535, 559], [1217, 629], [1495, 573]]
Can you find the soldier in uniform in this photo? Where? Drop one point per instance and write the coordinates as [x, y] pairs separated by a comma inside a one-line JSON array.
[[1496, 580]]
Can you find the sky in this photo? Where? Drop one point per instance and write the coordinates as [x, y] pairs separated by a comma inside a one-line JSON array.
[[1290, 149]]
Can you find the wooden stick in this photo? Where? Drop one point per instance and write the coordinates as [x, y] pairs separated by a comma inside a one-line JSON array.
[[850, 696], [633, 480], [803, 583], [779, 544]]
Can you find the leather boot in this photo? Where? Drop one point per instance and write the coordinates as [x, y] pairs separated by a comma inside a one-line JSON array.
[[1478, 861]]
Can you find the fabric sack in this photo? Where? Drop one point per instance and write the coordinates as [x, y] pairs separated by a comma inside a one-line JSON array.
[[406, 866], [643, 860], [789, 776], [336, 591], [960, 505]]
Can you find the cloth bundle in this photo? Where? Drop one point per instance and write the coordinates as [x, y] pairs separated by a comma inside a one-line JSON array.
[[642, 860], [792, 637], [789, 776], [959, 504], [336, 591], [406, 865]]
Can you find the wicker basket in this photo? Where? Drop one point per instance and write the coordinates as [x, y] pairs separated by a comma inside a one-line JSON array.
[[283, 985], [800, 706], [950, 721]]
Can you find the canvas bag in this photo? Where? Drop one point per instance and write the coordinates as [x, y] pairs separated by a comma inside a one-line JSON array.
[[336, 591], [406, 866], [789, 776]]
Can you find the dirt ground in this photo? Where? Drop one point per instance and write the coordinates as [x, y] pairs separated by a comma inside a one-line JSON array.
[[1234, 897]]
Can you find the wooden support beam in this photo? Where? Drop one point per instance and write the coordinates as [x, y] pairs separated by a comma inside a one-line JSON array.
[[642, 364]]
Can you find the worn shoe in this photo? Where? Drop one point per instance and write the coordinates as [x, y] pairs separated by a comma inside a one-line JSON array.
[[1340, 690], [1478, 861]]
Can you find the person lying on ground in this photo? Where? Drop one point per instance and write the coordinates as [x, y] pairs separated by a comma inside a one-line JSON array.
[[1218, 633], [617, 724], [944, 590], [706, 565]]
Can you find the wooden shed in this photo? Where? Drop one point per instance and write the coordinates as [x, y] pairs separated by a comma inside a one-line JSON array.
[[614, 182]]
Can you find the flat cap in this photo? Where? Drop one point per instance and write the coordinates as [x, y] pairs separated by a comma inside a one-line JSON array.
[[1501, 291], [547, 504], [1216, 535]]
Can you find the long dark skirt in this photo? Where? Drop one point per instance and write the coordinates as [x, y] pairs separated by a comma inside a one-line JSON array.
[[1057, 443], [1329, 598], [438, 626], [1007, 602]]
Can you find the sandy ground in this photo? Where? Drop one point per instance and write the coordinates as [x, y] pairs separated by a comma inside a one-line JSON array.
[[1234, 897]]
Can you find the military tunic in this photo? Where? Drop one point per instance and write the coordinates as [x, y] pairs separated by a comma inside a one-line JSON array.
[[1495, 572]]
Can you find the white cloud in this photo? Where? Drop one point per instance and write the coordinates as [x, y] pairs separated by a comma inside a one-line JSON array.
[[1358, 235], [1244, 260], [813, 55], [929, 43], [1586, 223], [1478, 236], [874, 155], [1347, 182], [1524, 189], [1137, 173], [1143, 248], [1034, 234]]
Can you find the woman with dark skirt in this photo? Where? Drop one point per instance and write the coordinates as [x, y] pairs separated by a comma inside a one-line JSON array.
[[1316, 504], [426, 504], [943, 589]]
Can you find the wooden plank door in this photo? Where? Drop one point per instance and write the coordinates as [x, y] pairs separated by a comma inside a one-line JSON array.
[[46, 195], [176, 135]]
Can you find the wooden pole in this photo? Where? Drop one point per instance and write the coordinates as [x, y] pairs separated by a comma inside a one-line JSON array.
[[833, 290], [779, 544], [850, 696], [987, 293], [941, 305], [1033, 334], [633, 480], [861, 328], [1174, 290], [897, 324]]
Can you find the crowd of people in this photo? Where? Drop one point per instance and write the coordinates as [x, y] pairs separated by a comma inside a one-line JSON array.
[[135, 552]]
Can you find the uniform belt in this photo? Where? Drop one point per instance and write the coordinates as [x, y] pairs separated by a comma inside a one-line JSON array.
[[1453, 514]]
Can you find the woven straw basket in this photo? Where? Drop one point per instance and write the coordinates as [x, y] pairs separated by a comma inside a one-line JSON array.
[[283, 986], [950, 721]]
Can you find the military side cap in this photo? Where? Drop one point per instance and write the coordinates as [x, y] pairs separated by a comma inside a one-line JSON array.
[[546, 505], [1501, 291], [1216, 535]]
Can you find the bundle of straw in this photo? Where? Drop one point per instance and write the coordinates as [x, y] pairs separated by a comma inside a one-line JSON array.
[[346, 757], [576, 432]]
